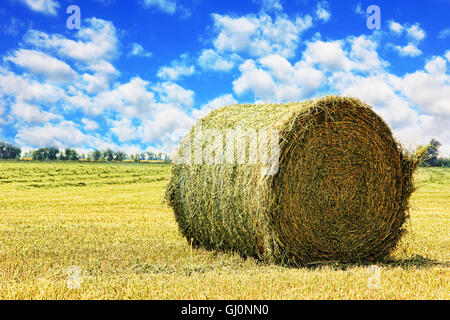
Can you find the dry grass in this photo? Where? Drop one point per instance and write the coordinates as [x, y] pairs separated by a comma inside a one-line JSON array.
[[108, 220], [341, 192]]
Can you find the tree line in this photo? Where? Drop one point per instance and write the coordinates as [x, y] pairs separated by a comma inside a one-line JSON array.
[[431, 157], [11, 152]]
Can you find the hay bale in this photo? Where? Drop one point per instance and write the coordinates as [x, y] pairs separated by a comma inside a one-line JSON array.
[[340, 192]]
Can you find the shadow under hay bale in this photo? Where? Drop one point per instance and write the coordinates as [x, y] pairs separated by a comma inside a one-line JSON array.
[[340, 191]]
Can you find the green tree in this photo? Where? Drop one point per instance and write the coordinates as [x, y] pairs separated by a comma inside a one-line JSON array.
[[119, 156], [51, 153], [73, 155], [431, 155], [9, 151], [108, 155], [97, 155], [37, 155]]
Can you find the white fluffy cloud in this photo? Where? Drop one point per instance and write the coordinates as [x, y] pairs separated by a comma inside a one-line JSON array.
[[39, 63], [166, 6], [48, 7], [415, 105], [175, 71], [173, 94], [408, 50], [321, 12], [24, 88], [132, 99], [178, 68], [260, 51], [96, 42], [259, 35], [212, 60], [395, 27], [256, 80], [270, 5], [89, 125], [166, 128], [275, 79], [415, 32], [37, 101], [32, 113], [328, 55], [124, 130], [429, 89], [63, 134], [138, 51]]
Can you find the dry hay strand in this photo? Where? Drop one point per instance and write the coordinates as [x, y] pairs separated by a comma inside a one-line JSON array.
[[340, 194]]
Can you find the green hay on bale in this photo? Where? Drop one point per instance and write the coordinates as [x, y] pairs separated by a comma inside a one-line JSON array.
[[340, 193]]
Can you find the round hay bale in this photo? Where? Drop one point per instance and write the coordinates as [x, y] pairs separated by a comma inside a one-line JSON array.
[[337, 191]]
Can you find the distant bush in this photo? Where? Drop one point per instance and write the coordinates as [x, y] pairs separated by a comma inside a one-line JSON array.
[[9, 151], [45, 154], [431, 159], [68, 154]]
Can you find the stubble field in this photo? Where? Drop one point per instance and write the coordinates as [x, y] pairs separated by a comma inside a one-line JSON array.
[[108, 221]]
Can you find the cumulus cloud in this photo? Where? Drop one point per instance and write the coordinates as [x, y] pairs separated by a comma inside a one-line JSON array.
[[138, 51], [408, 50], [212, 60], [429, 89], [48, 7], [321, 12], [32, 113], [327, 54], [133, 99], [273, 78], [97, 41], [411, 103], [166, 6], [415, 32], [254, 79], [124, 129], [262, 54], [166, 128], [259, 35], [395, 27], [89, 124], [175, 72], [173, 94], [39, 63], [270, 5], [63, 134], [24, 88], [66, 76], [177, 69]]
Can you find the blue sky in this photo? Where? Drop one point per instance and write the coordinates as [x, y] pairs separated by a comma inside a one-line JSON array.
[[138, 73]]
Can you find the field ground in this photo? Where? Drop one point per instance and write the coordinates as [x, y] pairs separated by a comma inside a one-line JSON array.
[[109, 221]]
